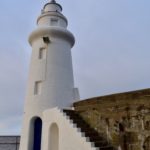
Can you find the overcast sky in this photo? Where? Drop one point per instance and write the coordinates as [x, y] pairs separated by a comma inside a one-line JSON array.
[[111, 55]]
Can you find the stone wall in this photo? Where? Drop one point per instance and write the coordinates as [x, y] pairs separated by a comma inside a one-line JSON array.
[[124, 119], [9, 142]]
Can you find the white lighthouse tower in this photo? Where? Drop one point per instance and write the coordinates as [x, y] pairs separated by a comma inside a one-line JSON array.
[[51, 82]]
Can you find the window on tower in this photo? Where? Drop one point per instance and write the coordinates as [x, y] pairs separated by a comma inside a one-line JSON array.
[[37, 87], [42, 53], [54, 21]]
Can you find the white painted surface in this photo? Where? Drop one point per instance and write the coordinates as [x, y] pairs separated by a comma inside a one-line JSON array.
[[69, 136], [52, 74]]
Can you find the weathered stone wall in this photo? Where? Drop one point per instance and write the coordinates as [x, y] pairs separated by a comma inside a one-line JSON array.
[[9, 142], [124, 119]]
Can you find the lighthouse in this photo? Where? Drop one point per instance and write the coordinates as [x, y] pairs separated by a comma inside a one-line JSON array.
[[50, 82]]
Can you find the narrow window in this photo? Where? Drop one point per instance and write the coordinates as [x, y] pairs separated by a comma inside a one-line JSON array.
[[42, 53], [37, 88], [54, 21]]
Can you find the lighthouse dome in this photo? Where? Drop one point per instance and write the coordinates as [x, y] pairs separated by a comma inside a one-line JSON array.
[[53, 7], [51, 15]]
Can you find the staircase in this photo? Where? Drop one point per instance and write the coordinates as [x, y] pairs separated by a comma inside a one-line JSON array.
[[98, 142]]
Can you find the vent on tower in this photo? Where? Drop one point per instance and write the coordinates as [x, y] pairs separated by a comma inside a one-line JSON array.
[[54, 22], [46, 40]]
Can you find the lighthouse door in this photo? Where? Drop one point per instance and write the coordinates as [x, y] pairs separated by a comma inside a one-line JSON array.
[[37, 134]]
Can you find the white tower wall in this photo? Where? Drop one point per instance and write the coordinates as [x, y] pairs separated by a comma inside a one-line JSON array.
[[51, 82], [53, 71]]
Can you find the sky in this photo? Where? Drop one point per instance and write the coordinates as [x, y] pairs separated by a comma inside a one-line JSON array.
[[111, 54]]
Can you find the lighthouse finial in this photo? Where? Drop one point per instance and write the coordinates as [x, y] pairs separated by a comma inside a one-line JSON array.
[[53, 1]]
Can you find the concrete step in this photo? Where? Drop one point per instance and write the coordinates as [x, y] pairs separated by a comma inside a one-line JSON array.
[[93, 136]]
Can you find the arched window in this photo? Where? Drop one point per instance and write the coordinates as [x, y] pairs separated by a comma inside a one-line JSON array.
[[54, 137]]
